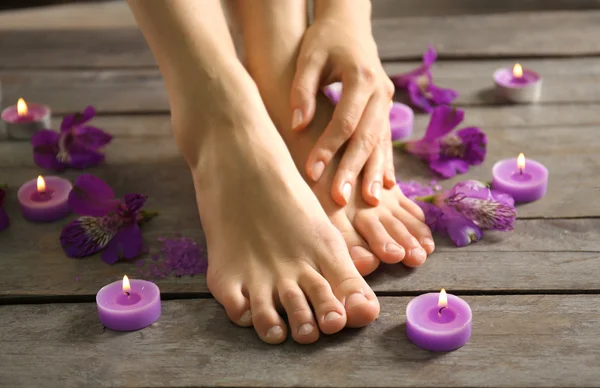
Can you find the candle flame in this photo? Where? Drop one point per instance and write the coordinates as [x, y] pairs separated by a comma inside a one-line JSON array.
[[126, 286], [521, 162], [41, 184], [22, 109], [443, 299], [518, 71]]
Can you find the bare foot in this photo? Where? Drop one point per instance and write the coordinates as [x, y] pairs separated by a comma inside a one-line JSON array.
[[271, 245]]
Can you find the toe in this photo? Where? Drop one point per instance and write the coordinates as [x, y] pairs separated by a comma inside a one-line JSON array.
[[268, 324], [415, 254], [412, 208], [416, 228], [300, 316], [364, 260], [380, 242], [235, 303], [329, 311]]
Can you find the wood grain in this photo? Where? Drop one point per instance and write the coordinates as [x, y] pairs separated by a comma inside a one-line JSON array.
[[516, 341]]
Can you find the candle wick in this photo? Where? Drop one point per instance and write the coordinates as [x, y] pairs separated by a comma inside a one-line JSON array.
[[440, 311], [128, 294], [520, 170]]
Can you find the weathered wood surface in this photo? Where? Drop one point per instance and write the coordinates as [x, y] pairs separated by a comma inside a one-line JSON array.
[[516, 341]]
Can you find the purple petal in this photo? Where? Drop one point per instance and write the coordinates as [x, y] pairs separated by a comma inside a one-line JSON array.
[[92, 137], [91, 196], [415, 189], [443, 120], [127, 244], [503, 198], [441, 96], [461, 230], [470, 188], [87, 235], [475, 145], [418, 98], [424, 149], [429, 56], [4, 221], [333, 92], [75, 120], [135, 202], [45, 149], [433, 216], [402, 81], [447, 168], [81, 157]]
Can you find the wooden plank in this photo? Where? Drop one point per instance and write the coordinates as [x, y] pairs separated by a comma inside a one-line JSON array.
[[528, 340]]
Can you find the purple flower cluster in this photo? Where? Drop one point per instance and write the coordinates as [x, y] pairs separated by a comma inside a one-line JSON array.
[[105, 222], [4, 221], [181, 256], [463, 212], [77, 145], [423, 93], [448, 153]]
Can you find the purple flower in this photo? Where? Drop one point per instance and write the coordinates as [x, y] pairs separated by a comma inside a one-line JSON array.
[[106, 223], [77, 145], [333, 92], [449, 153], [422, 91], [4, 221]]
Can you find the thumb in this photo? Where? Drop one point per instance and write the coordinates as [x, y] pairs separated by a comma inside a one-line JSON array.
[[304, 90]]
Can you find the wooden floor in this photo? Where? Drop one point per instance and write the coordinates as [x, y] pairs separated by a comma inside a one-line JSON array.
[[535, 293]]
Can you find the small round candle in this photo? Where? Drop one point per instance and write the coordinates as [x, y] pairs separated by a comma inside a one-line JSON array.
[[401, 121], [438, 322], [128, 305], [518, 85], [45, 199], [524, 180], [23, 120]]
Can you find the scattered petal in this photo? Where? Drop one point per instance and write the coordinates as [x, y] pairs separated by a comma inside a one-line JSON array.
[[91, 196], [76, 119], [134, 202], [126, 244]]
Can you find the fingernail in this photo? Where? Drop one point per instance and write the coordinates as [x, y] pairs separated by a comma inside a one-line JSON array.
[[376, 190], [305, 329], [346, 191], [393, 248], [357, 252], [355, 299], [317, 170], [296, 118], [418, 253], [274, 332], [246, 318], [332, 316], [428, 241]]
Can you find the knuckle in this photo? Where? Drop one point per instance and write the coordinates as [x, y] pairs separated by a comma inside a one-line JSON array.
[[370, 139], [346, 126], [300, 89], [368, 75], [320, 287], [389, 88]]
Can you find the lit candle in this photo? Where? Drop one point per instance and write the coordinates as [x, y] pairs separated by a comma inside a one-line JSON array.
[[401, 121], [128, 305], [518, 85], [45, 199], [525, 181], [23, 120], [438, 322]]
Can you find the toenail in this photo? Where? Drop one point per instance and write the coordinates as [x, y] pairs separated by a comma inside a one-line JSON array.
[[418, 253], [274, 332], [346, 191], [332, 316], [296, 118], [317, 170], [305, 329], [246, 318], [428, 241], [355, 300], [393, 248], [376, 190], [357, 252]]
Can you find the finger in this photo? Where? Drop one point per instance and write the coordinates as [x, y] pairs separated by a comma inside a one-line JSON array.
[[304, 89], [356, 92], [389, 176], [373, 176]]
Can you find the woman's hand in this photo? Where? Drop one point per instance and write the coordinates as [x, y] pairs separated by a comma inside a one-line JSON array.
[[339, 46]]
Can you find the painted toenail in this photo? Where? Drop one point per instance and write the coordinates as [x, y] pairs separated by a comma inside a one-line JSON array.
[[274, 332], [376, 190], [332, 316], [418, 253], [296, 118], [246, 318], [317, 170], [428, 241], [393, 248], [306, 329], [355, 299], [357, 252], [346, 191]]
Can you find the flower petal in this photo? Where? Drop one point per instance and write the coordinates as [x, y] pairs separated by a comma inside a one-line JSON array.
[[135, 202], [127, 244], [91, 196], [461, 230], [45, 149], [417, 97], [434, 216], [447, 168], [87, 235], [4, 221], [475, 145], [415, 189], [441, 96], [333, 92], [443, 120], [80, 157], [429, 56], [503, 198], [424, 149], [92, 137], [76, 119], [401, 81]]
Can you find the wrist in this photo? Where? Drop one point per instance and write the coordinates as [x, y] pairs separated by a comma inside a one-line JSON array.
[[353, 11]]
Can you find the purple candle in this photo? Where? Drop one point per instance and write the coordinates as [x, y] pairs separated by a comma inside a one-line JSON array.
[[524, 181], [22, 121], [518, 85], [128, 306], [438, 322], [45, 199], [401, 121]]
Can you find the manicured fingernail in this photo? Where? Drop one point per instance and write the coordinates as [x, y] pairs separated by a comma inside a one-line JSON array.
[[418, 253], [391, 247], [357, 252], [317, 170], [428, 241], [346, 191], [355, 300], [296, 118], [332, 316], [305, 329], [246, 318], [376, 190], [274, 332]]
